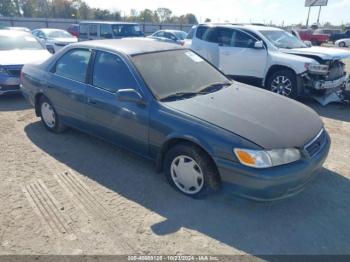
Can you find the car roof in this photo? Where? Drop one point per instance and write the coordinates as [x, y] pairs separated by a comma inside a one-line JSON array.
[[129, 46], [171, 31], [245, 26], [13, 33], [108, 22]]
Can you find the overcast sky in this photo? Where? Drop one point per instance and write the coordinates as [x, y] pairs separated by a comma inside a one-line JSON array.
[[289, 11]]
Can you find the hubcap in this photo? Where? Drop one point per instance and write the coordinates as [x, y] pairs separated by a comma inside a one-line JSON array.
[[282, 85], [48, 114], [187, 175]]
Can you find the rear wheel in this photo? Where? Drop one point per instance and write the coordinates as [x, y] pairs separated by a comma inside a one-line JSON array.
[[284, 83], [49, 117], [191, 171]]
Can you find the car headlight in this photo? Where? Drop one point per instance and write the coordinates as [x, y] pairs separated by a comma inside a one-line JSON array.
[[317, 69], [268, 158]]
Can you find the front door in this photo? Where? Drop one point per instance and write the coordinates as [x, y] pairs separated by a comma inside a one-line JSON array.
[[124, 123], [239, 57]]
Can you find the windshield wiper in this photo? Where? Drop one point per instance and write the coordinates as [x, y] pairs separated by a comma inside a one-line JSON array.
[[179, 95], [214, 87]]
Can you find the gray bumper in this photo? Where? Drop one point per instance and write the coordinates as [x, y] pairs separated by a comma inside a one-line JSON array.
[[273, 183]]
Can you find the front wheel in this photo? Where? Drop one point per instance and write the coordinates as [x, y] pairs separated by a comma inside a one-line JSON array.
[[49, 117], [191, 171], [342, 44], [284, 83]]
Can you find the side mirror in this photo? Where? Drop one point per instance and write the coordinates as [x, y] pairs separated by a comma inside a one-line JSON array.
[[130, 95], [308, 43], [259, 45]]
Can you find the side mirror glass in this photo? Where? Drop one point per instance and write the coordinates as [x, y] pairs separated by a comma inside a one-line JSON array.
[[259, 45], [130, 95]]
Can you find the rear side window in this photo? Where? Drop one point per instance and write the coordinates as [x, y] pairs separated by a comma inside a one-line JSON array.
[[83, 30], [93, 30], [106, 31], [224, 36], [111, 73], [200, 31], [74, 64]]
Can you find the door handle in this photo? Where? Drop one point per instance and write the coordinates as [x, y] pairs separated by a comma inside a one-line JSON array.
[[91, 101]]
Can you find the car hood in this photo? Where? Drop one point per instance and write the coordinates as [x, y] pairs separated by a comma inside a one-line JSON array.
[[21, 57], [322, 52], [266, 119]]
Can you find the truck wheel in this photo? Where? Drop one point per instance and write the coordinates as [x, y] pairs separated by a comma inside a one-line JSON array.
[[284, 83]]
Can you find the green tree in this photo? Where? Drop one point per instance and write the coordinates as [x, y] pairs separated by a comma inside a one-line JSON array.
[[164, 14], [147, 15], [7, 8]]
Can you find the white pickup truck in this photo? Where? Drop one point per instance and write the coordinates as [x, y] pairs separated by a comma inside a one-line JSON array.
[[274, 59]]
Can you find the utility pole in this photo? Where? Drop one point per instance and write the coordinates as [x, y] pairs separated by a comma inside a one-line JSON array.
[[308, 17], [319, 13]]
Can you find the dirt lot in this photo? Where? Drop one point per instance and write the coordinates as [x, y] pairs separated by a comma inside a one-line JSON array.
[[74, 194]]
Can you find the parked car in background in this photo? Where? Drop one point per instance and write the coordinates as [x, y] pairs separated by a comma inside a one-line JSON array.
[[336, 36], [200, 128], [343, 42], [296, 34], [54, 39], [327, 31], [16, 49], [108, 30], [16, 28], [272, 58], [172, 36], [315, 38], [73, 30]]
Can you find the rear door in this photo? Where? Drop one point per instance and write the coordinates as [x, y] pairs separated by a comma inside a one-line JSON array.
[[239, 57], [66, 85], [124, 123]]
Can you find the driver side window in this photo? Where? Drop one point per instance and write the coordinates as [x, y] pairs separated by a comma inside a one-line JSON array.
[[242, 40]]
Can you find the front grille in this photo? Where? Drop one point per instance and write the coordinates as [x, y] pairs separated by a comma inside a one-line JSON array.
[[316, 144]]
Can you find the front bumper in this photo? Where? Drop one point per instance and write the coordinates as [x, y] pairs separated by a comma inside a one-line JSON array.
[[272, 183], [322, 85]]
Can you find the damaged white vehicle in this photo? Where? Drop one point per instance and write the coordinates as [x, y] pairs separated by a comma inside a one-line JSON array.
[[274, 59]]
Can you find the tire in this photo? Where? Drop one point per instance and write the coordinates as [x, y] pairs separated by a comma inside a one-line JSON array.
[[206, 179], [276, 84], [49, 117], [342, 44]]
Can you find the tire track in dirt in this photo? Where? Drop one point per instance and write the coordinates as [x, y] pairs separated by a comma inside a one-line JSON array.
[[47, 208]]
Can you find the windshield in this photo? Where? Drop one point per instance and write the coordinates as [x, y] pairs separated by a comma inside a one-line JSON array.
[[283, 39], [26, 42], [180, 35], [177, 71], [126, 30], [59, 34]]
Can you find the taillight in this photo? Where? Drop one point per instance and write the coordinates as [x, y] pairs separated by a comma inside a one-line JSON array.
[[21, 77]]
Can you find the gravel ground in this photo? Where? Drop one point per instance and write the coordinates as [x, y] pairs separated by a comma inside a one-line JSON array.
[[74, 194]]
